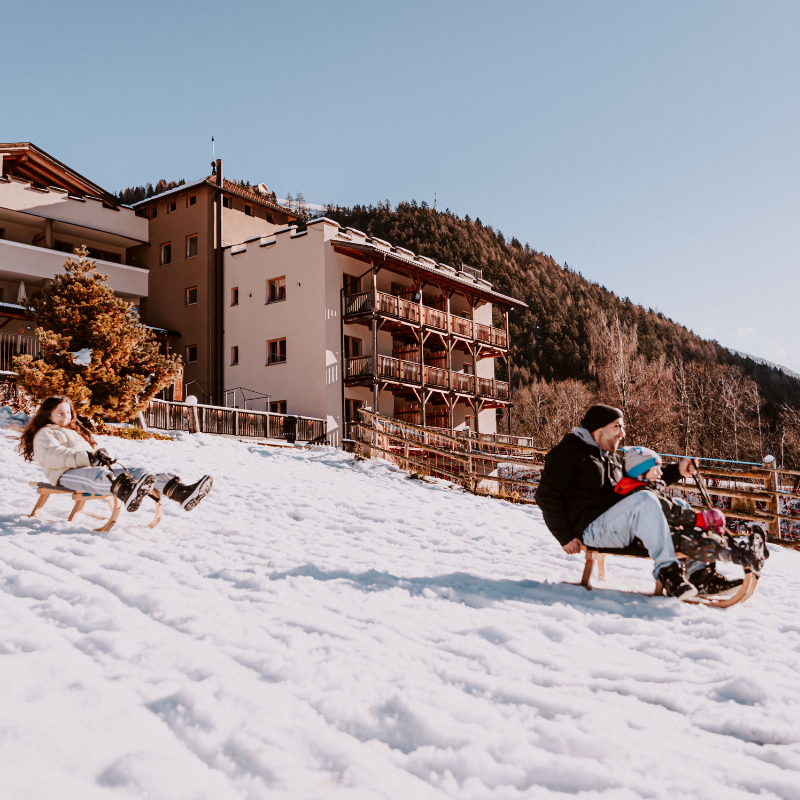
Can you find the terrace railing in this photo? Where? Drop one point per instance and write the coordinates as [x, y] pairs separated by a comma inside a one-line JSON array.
[[397, 307], [170, 416], [409, 372]]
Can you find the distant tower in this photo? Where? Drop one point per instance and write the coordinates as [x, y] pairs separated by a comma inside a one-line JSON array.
[[434, 201]]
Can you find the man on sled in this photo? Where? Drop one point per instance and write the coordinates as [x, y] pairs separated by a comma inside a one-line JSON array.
[[586, 498]]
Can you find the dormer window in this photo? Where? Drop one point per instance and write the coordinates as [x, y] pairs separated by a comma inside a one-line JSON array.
[[226, 202], [248, 210]]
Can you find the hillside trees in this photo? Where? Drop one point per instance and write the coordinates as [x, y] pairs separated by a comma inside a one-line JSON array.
[[78, 311]]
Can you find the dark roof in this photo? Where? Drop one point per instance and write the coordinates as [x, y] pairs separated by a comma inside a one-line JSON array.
[[228, 186], [27, 161]]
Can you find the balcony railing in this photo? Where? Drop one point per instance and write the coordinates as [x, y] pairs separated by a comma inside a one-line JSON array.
[[12, 345], [409, 372], [399, 308]]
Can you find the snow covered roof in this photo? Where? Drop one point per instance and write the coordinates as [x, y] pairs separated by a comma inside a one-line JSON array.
[[443, 272], [227, 186]]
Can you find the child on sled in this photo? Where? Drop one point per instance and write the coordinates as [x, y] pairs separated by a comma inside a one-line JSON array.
[[66, 451], [698, 535]]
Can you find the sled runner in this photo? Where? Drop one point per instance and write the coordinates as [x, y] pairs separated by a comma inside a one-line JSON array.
[[723, 600], [45, 490]]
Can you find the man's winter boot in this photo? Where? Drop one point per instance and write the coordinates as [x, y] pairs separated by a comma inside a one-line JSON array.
[[188, 496], [752, 553], [131, 492], [709, 581], [674, 582]]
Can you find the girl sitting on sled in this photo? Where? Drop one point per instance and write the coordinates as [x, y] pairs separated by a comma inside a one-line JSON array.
[[66, 451]]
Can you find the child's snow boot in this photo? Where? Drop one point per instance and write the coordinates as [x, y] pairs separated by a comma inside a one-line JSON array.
[[752, 553], [188, 496], [674, 582], [708, 581], [131, 492]]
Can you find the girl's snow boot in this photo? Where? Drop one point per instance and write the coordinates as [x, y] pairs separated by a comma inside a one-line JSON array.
[[131, 492], [674, 582], [188, 496]]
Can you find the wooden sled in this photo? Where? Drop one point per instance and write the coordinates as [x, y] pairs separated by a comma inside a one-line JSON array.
[[723, 600], [45, 490]]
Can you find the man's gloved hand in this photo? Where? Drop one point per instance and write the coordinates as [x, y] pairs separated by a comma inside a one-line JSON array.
[[100, 458], [710, 518]]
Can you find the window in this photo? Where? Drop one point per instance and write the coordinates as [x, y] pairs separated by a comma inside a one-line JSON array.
[[276, 290], [2, 295], [248, 210], [172, 206], [351, 410], [270, 218], [235, 296], [227, 202], [166, 253], [278, 407], [469, 422], [64, 247], [352, 347], [276, 351], [2, 233], [234, 356], [191, 296], [191, 200], [352, 285], [153, 212], [191, 353], [191, 246]]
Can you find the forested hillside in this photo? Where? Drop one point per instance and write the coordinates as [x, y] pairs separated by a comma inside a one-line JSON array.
[[565, 336]]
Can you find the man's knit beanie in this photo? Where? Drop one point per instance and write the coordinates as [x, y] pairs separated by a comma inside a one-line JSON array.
[[640, 459], [598, 416]]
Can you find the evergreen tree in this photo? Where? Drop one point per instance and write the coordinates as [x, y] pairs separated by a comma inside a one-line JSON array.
[[78, 311]]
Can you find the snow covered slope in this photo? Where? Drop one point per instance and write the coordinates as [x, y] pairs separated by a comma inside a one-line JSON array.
[[321, 627]]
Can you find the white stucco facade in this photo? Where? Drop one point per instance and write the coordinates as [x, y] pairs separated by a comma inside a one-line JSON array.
[[309, 319]]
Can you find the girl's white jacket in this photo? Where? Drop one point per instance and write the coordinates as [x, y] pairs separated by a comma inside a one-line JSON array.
[[58, 449]]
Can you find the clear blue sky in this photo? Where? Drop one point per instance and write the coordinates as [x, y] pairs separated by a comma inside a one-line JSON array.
[[652, 146]]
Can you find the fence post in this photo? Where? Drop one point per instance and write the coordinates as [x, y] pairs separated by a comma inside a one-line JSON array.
[[235, 423], [772, 485]]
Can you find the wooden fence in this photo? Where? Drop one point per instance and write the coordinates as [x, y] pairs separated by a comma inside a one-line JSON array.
[[511, 470], [171, 416]]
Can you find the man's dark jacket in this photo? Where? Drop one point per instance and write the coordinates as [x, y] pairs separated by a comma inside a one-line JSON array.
[[577, 485]]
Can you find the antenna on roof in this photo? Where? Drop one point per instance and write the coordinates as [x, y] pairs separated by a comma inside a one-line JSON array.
[[434, 201], [213, 158]]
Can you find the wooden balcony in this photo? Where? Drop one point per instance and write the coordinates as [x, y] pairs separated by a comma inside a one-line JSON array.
[[359, 370], [359, 307]]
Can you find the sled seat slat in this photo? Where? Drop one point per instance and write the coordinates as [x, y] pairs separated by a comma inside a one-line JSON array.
[[46, 490], [637, 550]]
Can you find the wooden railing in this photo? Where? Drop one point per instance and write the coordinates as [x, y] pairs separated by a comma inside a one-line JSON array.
[[392, 306], [357, 303], [169, 416], [508, 467], [436, 377], [434, 318], [409, 372], [462, 382], [12, 345], [461, 326]]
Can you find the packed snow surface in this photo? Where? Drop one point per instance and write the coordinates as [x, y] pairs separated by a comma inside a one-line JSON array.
[[323, 627]]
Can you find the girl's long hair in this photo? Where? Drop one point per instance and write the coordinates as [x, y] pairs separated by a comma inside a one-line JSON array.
[[42, 418]]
